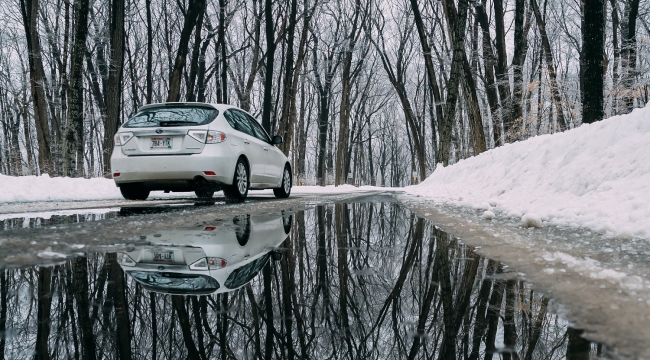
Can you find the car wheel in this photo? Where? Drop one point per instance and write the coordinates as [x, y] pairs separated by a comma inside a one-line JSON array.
[[242, 228], [285, 187], [238, 191], [134, 192]]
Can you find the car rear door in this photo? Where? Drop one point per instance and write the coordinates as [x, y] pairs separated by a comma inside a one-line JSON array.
[[253, 148], [168, 130], [273, 157]]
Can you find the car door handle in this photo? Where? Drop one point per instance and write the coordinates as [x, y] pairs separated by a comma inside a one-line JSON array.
[[266, 149], [246, 142]]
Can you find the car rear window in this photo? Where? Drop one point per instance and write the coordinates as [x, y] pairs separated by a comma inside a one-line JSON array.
[[175, 282], [172, 116]]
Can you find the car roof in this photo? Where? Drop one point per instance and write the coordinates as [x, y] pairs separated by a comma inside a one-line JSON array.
[[193, 104]]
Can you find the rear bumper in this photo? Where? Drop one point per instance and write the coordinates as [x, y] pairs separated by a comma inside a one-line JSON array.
[[163, 172]]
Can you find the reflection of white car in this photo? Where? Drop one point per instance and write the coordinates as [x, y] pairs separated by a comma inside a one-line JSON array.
[[219, 257], [197, 147]]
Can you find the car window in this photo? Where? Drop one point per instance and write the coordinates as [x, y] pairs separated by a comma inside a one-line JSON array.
[[246, 273], [258, 129], [175, 282], [172, 116], [241, 123], [230, 118]]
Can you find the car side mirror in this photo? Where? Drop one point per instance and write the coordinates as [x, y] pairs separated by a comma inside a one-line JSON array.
[[277, 139]]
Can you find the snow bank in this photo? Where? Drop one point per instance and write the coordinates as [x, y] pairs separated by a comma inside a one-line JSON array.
[[46, 188], [596, 176]]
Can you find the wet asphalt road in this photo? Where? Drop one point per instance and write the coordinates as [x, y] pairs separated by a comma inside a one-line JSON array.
[[600, 284]]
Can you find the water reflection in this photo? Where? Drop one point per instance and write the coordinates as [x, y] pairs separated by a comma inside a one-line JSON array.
[[356, 281], [214, 258]]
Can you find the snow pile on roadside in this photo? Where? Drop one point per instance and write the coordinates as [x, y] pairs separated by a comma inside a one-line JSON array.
[[596, 176], [46, 188]]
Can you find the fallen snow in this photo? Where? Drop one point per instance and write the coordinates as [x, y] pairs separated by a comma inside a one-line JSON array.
[[596, 176], [23, 189]]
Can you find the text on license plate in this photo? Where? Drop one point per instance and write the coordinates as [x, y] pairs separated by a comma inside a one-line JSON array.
[[159, 142], [167, 256]]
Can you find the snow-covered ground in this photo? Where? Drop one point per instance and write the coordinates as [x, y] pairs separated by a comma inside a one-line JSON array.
[[45, 188], [596, 176]]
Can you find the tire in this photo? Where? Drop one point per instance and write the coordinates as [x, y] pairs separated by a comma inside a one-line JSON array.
[[242, 228], [134, 192], [238, 191], [284, 190]]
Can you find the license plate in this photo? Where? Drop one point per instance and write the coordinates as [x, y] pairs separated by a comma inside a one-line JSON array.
[[161, 143], [167, 256]]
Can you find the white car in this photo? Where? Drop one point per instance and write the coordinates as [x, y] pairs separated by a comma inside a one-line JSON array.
[[197, 147], [214, 258]]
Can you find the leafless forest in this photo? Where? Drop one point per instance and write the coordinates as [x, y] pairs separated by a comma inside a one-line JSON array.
[[379, 90], [360, 281]]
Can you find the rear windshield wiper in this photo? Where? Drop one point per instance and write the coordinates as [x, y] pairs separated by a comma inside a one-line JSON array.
[[172, 123]]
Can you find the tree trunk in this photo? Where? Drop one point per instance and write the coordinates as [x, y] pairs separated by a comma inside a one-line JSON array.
[[121, 306], [490, 84], [43, 316], [268, 73], [519, 57], [617, 57], [503, 79], [73, 139], [550, 66], [577, 347], [113, 91], [81, 293], [593, 51], [428, 61], [194, 62], [342, 160], [195, 7], [628, 51], [149, 69], [184, 321], [456, 21], [30, 11], [224, 60]]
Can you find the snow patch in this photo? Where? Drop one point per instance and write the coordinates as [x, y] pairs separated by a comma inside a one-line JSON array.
[[531, 220], [488, 215]]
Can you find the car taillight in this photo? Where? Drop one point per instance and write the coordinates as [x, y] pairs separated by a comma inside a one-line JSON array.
[[215, 263], [125, 260], [215, 137], [116, 175], [209, 228], [122, 138], [210, 173], [212, 263]]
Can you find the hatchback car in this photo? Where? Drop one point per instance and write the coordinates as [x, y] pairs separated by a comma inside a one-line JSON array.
[[215, 258], [197, 147]]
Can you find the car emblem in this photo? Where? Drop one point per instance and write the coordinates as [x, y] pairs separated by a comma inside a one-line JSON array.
[[159, 131]]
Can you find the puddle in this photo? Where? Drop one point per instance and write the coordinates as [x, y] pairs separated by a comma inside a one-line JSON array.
[[47, 218], [357, 281]]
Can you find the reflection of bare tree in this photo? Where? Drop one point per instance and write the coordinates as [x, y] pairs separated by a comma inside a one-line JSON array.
[[355, 281], [43, 317]]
